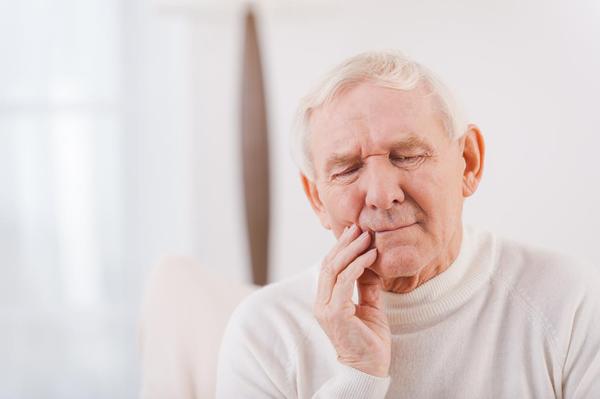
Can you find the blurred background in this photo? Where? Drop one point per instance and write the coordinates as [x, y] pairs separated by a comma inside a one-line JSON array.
[[120, 144]]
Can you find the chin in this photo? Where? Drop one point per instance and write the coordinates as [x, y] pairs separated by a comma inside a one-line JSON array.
[[400, 261], [399, 253]]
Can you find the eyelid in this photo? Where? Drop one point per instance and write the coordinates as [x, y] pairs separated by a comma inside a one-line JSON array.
[[406, 157], [354, 168], [409, 161], [346, 172], [411, 156]]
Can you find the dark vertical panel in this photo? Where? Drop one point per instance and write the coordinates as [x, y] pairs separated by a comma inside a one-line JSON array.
[[255, 152]]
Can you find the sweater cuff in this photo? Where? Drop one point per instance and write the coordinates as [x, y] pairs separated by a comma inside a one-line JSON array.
[[353, 383]]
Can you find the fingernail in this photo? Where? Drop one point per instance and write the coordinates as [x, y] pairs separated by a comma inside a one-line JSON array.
[[352, 228], [364, 235]]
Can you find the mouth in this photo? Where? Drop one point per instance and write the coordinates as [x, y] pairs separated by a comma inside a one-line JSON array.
[[383, 231]]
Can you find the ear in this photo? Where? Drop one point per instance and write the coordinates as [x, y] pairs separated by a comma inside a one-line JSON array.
[[473, 148], [312, 193]]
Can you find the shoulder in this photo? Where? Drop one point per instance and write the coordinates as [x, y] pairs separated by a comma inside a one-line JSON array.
[[557, 291], [544, 274], [276, 313], [286, 297], [558, 295], [260, 346]]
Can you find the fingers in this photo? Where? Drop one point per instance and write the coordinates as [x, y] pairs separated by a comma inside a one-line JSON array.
[[369, 288], [344, 284], [328, 272], [349, 246], [351, 251], [350, 233]]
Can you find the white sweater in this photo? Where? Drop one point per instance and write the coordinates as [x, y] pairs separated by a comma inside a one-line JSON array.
[[503, 321]]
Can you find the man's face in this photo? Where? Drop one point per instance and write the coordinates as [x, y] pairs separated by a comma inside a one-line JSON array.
[[383, 161]]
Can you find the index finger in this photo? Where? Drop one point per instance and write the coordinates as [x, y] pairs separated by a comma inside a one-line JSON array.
[[347, 250]]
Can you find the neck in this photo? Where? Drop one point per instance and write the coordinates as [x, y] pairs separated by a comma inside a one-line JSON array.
[[403, 285]]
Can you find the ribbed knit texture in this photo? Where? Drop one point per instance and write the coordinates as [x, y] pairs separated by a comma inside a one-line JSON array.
[[352, 383]]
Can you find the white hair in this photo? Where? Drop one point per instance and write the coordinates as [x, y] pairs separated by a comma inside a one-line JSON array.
[[384, 68]]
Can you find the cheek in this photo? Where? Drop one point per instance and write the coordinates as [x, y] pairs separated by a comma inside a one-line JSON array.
[[344, 205], [439, 195]]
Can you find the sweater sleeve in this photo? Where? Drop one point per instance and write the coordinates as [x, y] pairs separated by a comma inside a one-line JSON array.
[[581, 371], [350, 383], [251, 363]]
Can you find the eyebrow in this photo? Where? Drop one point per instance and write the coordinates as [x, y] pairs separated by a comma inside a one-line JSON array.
[[411, 143]]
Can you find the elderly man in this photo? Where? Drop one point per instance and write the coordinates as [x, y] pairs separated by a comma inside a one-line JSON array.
[[409, 303]]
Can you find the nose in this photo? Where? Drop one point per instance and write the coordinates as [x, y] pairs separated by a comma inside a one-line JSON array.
[[382, 185]]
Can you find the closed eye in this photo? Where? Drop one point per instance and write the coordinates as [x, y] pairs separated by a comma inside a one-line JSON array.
[[347, 172], [408, 161], [405, 159]]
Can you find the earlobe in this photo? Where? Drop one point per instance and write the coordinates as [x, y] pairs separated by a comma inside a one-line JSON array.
[[312, 193], [474, 156]]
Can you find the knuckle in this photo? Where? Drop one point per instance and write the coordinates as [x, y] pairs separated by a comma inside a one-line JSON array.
[[329, 316], [327, 271], [342, 279], [345, 277], [322, 314]]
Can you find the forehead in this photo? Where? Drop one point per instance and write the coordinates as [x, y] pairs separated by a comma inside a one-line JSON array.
[[368, 117]]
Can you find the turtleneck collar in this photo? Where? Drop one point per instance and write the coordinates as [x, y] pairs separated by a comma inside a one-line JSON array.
[[448, 290]]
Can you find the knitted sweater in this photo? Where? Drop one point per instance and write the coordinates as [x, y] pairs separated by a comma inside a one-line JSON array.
[[503, 321]]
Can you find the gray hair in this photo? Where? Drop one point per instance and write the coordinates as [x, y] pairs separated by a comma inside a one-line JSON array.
[[384, 68]]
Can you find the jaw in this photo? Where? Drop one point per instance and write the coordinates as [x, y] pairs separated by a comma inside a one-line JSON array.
[[399, 261], [400, 252], [406, 261], [403, 269]]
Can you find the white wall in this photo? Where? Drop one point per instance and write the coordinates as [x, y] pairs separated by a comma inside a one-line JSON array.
[[182, 139], [526, 72]]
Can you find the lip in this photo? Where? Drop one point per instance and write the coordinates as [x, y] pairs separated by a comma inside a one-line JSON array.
[[395, 229]]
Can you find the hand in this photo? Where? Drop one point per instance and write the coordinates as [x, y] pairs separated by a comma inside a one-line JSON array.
[[359, 332]]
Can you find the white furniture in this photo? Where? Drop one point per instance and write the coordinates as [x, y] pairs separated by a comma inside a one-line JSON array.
[[184, 314]]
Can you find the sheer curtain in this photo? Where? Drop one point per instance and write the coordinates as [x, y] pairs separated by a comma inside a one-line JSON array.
[[65, 314], [118, 145]]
